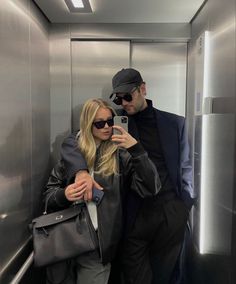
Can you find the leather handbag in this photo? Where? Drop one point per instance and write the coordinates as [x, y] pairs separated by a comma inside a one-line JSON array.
[[63, 235]]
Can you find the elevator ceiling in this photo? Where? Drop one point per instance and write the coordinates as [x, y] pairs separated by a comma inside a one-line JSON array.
[[123, 11]]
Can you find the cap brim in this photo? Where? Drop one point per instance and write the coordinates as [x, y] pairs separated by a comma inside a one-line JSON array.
[[124, 88]]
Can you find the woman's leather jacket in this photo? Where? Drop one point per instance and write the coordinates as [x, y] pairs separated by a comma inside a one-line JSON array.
[[136, 173]]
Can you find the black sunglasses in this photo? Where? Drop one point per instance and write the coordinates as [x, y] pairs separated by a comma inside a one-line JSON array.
[[101, 124], [118, 100], [127, 97]]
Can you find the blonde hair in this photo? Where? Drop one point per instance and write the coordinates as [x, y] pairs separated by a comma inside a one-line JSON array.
[[106, 161]]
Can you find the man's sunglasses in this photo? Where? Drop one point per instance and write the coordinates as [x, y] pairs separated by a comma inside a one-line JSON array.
[[101, 124], [118, 100], [127, 97]]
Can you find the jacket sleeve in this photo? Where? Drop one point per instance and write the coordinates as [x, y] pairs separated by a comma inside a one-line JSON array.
[[72, 158], [187, 192], [55, 198], [139, 172]]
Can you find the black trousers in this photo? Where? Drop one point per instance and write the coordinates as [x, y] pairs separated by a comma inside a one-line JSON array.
[[152, 246]]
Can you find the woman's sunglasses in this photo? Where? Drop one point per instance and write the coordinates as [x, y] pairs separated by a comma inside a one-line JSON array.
[[101, 124]]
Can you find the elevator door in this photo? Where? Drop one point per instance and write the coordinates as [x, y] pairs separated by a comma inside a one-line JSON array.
[[93, 65], [162, 65]]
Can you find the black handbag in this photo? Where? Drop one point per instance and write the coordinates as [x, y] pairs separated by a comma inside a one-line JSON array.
[[63, 235]]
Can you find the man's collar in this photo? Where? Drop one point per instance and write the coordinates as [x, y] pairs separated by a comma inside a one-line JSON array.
[[149, 103]]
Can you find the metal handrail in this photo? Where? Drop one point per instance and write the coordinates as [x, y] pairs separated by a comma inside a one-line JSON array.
[[23, 269], [6, 268]]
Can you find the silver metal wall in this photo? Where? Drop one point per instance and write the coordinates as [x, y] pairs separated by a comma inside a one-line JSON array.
[[60, 86], [163, 68], [213, 126], [92, 71], [25, 118]]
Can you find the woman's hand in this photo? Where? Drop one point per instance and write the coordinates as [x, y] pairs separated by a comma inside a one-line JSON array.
[[124, 139]]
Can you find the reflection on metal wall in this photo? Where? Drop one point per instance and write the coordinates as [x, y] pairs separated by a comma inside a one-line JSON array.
[[215, 126], [40, 105], [24, 112], [217, 181], [60, 87], [163, 67], [93, 65]]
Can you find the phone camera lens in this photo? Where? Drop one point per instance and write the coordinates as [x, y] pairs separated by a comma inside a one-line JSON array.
[[124, 119]]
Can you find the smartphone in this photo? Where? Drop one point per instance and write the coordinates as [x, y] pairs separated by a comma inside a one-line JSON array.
[[120, 120]]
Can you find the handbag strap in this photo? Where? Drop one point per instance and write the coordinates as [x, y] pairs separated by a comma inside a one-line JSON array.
[[51, 194], [46, 202]]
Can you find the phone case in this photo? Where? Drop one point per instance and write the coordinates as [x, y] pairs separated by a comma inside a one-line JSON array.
[[97, 195], [122, 121]]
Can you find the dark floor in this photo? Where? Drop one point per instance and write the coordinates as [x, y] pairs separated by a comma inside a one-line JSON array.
[[208, 269]]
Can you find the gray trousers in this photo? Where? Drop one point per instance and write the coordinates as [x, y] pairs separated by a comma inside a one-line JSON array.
[[85, 269], [90, 270]]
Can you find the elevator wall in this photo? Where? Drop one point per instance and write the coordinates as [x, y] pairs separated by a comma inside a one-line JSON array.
[[212, 128], [25, 125]]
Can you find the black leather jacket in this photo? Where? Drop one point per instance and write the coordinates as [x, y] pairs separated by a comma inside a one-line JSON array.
[[136, 173]]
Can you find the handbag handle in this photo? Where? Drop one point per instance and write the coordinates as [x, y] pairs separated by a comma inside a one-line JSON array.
[[46, 203]]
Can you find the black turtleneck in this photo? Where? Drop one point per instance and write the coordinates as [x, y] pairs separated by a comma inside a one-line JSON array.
[[147, 127]]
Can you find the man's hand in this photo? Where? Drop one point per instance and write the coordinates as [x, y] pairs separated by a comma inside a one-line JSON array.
[[75, 191], [89, 182]]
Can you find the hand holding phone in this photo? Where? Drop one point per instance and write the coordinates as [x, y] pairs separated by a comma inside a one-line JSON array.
[[121, 121], [120, 132]]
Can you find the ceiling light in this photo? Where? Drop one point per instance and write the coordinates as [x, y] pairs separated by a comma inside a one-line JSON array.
[[78, 3], [79, 6]]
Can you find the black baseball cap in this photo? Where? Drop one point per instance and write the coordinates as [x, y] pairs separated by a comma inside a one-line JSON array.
[[125, 80]]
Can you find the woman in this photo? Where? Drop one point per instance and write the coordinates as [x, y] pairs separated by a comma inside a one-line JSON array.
[[118, 163]]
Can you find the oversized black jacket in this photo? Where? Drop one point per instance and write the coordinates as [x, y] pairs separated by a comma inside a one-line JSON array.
[[136, 173]]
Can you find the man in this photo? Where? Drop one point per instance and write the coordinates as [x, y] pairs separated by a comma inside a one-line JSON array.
[[155, 227]]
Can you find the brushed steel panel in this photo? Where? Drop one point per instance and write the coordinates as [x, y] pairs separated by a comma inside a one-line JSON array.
[[163, 67], [218, 154], [20, 79], [40, 105], [15, 139], [155, 31], [222, 47], [190, 99], [60, 87], [217, 182], [93, 65], [218, 105]]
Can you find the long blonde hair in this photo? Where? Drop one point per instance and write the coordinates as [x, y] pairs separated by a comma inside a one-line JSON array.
[[106, 163]]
